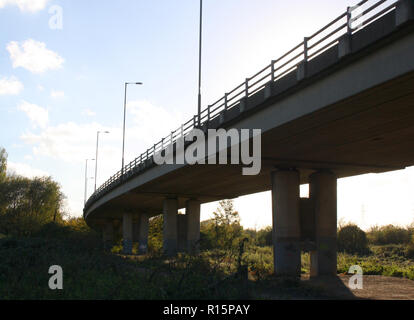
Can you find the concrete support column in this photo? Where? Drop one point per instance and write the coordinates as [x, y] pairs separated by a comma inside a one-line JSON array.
[[181, 232], [108, 234], [170, 226], [135, 228], [143, 233], [192, 209], [127, 233], [286, 222], [323, 193]]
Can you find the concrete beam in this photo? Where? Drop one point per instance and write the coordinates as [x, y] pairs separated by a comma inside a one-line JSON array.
[[143, 233], [404, 12], [127, 233], [170, 226], [323, 192], [192, 210], [286, 222], [344, 46], [301, 71]]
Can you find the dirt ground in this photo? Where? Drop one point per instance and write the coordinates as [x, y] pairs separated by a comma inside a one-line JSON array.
[[335, 288], [373, 287]]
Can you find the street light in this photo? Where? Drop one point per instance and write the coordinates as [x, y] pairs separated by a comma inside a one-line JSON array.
[[199, 62], [96, 158], [123, 138], [86, 177]]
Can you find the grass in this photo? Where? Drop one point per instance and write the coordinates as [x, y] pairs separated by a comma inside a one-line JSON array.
[[90, 273]]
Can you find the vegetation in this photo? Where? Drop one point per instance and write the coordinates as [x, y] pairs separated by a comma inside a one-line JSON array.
[[351, 239], [390, 235], [234, 263], [27, 204]]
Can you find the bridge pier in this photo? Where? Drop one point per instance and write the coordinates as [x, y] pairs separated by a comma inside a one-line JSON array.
[[181, 233], [170, 211], [323, 194], [108, 234], [127, 233], [143, 233], [286, 222], [192, 210]]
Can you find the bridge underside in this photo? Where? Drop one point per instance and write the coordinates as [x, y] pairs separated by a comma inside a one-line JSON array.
[[372, 131]]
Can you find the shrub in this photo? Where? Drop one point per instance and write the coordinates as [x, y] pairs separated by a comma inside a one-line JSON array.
[[352, 239], [409, 251], [388, 235], [264, 237]]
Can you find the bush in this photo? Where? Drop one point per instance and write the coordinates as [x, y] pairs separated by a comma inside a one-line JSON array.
[[388, 235], [264, 237], [155, 238], [352, 239], [409, 251]]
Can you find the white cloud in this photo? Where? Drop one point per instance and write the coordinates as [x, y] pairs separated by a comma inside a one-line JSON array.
[[145, 115], [25, 5], [88, 112], [10, 86], [75, 142], [40, 87], [70, 142], [39, 117], [57, 94], [33, 56], [25, 170]]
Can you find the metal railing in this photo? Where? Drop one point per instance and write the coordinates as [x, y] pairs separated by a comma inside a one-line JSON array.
[[360, 15]]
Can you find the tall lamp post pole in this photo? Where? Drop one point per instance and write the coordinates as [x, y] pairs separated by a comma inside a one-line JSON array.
[[86, 178], [96, 158], [199, 62], [123, 132]]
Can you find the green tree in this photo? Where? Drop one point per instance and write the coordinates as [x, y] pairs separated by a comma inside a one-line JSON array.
[[155, 234], [352, 239], [3, 164], [264, 237], [224, 230], [27, 204]]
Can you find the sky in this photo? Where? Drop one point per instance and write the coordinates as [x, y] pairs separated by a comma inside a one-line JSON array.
[[63, 65]]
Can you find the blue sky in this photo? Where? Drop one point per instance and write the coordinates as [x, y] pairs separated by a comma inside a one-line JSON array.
[[59, 86]]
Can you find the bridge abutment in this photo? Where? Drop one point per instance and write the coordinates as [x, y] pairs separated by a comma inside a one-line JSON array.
[[286, 222], [127, 233], [192, 210], [170, 238], [323, 194]]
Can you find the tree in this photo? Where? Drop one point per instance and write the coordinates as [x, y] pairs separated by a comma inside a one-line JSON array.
[[155, 237], [352, 239], [224, 229], [3, 164], [27, 204]]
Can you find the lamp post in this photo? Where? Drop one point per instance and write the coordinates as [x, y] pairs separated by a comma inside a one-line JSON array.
[[86, 178], [199, 62], [96, 158], [123, 137]]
